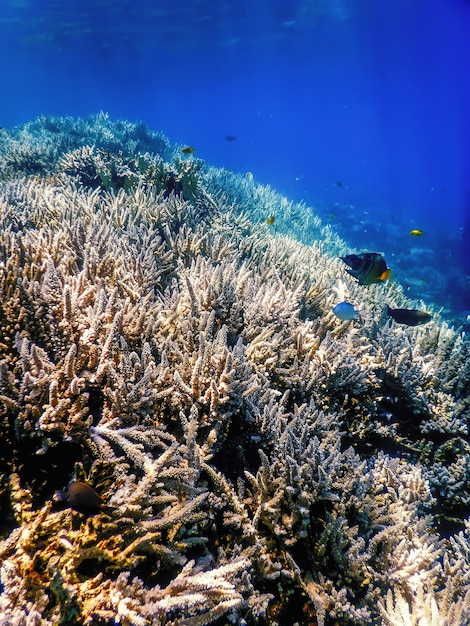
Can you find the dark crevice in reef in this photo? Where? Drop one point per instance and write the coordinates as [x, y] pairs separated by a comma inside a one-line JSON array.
[[239, 450]]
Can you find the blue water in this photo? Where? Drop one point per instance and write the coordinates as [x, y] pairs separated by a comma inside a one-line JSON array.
[[359, 107]]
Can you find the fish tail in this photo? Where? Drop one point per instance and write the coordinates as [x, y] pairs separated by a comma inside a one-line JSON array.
[[385, 275], [108, 510]]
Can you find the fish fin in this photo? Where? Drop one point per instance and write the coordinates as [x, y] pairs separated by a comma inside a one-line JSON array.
[[108, 510], [385, 275], [353, 274]]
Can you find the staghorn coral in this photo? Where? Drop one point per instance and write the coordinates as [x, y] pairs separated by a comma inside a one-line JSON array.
[[259, 460]]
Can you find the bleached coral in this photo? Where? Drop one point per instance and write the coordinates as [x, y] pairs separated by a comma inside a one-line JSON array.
[[258, 459]]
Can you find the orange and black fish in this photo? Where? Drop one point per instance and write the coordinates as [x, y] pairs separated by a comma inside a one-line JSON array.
[[410, 317], [368, 268], [188, 150]]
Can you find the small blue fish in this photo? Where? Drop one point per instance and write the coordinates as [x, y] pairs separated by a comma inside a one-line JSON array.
[[346, 312]]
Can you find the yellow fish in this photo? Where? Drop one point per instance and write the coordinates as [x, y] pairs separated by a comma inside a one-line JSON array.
[[270, 220], [188, 150], [416, 232]]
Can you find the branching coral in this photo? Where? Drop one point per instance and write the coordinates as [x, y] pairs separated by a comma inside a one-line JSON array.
[[259, 460]]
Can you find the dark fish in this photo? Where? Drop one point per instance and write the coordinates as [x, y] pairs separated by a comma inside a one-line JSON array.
[[368, 267], [188, 150], [230, 138], [410, 317], [81, 497]]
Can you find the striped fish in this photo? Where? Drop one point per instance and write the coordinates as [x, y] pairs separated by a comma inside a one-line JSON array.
[[368, 268]]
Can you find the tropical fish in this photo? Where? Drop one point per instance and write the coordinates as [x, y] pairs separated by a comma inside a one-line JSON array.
[[230, 138], [416, 232], [367, 267], [80, 497], [188, 150], [346, 312], [414, 282], [410, 317], [270, 220]]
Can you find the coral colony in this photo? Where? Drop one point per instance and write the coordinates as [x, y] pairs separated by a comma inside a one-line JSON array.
[[189, 434]]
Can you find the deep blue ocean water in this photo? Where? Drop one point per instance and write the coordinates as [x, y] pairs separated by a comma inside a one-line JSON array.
[[359, 107]]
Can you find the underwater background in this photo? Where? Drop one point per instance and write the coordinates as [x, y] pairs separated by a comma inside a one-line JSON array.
[[358, 107], [234, 313]]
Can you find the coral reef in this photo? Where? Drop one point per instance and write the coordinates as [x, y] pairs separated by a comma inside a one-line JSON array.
[[259, 460]]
